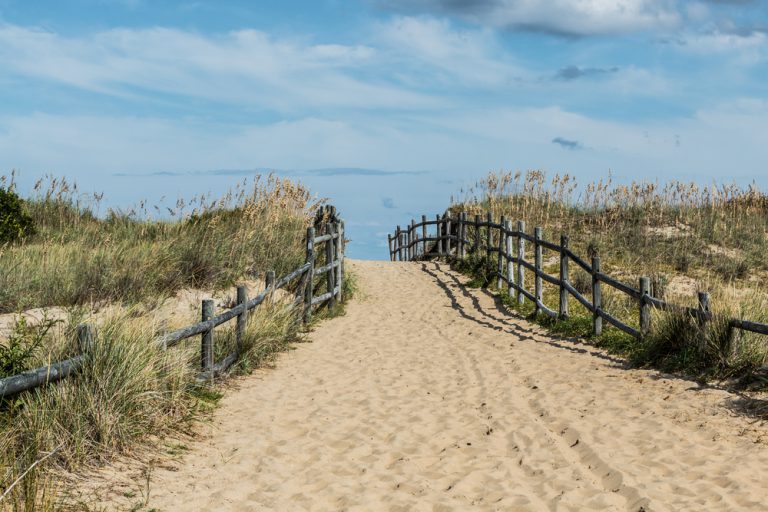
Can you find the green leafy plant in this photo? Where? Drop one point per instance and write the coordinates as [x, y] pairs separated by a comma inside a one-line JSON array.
[[15, 223]]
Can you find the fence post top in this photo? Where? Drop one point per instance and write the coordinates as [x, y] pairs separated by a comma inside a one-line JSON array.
[[537, 232], [564, 240]]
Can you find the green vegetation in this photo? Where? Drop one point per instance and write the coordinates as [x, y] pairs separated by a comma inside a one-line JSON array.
[[684, 237], [77, 258], [129, 389], [15, 223]]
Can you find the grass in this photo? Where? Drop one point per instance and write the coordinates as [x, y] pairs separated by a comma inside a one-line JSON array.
[[684, 237], [76, 257], [129, 391]]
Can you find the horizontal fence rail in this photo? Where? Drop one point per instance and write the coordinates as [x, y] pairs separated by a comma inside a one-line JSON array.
[[332, 257], [450, 238]]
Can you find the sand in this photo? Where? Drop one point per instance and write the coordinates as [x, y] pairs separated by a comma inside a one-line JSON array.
[[429, 396]]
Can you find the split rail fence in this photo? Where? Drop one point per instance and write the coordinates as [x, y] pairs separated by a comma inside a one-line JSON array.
[[450, 237], [323, 270]]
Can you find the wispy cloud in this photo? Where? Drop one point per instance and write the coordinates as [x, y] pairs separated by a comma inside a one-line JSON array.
[[564, 17], [388, 202], [567, 143], [574, 72], [244, 67]]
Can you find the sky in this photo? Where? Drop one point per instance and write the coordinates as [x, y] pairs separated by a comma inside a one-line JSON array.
[[386, 107]]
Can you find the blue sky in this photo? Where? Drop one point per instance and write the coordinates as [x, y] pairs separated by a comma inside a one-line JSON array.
[[143, 99]]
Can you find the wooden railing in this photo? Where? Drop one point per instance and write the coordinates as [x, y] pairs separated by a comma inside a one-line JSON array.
[[451, 238], [332, 270]]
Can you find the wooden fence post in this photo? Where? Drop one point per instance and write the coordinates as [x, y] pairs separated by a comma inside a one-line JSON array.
[[206, 342], [597, 298], [645, 308], [538, 285], [398, 246], [500, 259], [510, 263], [703, 319], [269, 282], [329, 276], [242, 317], [459, 243], [520, 260], [310, 291], [340, 256], [488, 240], [391, 253], [423, 234], [447, 222], [463, 234], [439, 235], [408, 243], [85, 338], [563, 313], [414, 241], [476, 246]]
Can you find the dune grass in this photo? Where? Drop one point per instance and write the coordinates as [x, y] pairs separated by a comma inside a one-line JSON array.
[[130, 392], [686, 238]]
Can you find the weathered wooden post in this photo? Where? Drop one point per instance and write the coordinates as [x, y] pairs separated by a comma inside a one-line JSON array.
[[476, 246], [86, 337], [329, 276], [398, 244], [242, 317], [423, 234], [439, 235], [310, 289], [645, 307], [457, 228], [563, 312], [391, 252], [340, 257], [520, 260], [206, 342], [500, 259], [408, 242], [704, 318], [597, 298], [462, 235], [488, 240], [510, 262], [447, 221], [538, 262], [414, 241], [269, 283], [403, 256]]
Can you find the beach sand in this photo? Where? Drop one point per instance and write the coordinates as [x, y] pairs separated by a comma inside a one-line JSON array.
[[429, 396]]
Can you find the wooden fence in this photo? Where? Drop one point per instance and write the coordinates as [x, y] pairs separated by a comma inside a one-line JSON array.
[[451, 238], [330, 275]]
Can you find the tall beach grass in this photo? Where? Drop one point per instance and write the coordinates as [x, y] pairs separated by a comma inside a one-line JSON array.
[[130, 391], [686, 237]]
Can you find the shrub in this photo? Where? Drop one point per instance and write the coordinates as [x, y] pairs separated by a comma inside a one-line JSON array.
[[15, 223]]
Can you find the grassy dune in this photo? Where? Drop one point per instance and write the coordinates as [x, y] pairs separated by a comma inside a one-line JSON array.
[[129, 390], [686, 238]]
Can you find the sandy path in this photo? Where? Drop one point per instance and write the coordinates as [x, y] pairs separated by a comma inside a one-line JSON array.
[[426, 396]]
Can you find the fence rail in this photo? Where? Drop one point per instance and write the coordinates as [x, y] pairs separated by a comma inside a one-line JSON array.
[[451, 238], [333, 270]]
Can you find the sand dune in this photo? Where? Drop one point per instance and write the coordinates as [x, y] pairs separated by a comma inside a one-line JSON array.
[[427, 396]]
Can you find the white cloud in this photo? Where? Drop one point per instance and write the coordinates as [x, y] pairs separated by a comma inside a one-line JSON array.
[[569, 17], [244, 67], [434, 47]]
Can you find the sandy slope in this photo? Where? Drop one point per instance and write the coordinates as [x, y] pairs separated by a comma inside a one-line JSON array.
[[427, 396]]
